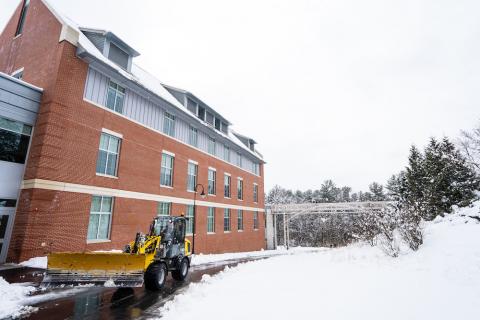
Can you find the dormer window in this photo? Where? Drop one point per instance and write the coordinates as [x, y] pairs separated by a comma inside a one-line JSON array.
[[251, 145], [217, 124], [201, 113], [118, 56], [21, 20], [210, 118]]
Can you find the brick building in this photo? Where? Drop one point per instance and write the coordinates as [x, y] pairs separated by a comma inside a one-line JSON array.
[[111, 147]]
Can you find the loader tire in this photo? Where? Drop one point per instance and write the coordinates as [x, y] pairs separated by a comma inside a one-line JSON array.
[[155, 276], [182, 270]]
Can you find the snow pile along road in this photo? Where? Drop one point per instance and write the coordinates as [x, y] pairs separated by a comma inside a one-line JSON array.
[[12, 297], [440, 281]]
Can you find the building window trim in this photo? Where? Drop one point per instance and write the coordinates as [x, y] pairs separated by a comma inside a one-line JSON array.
[[192, 177], [167, 169], [169, 124], [118, 92], [211, 220], [101, 213], [109, 153], [212, 182], [227, 220]]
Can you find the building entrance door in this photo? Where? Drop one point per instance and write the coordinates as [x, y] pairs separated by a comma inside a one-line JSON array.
[[6, 221]]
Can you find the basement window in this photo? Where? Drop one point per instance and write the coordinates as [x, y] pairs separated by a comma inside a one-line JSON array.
[[21, 20]]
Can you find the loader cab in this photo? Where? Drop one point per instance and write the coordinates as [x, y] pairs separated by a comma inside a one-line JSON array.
[[170, 229]]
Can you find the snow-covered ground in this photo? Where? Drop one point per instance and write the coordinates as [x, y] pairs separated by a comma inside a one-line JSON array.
[[12, 298], [440, 281]]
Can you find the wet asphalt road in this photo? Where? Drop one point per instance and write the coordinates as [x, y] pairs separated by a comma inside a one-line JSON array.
[[106, 303]]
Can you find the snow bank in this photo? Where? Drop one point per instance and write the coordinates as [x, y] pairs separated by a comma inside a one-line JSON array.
[[199, 259], [37, 262], [12, 297], [440, 281]]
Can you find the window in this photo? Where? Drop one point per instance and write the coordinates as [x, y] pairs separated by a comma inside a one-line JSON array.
[[190, 216], [164, 210], [166, 174], [108, 155], [118, 56], [212, 181], [226, 220], [21, 20], [201, 113], [239, 159], [255, 192], [217, 123], [169, 124], [211, 220], [115, 97], [255, 220], [211, 145], [191, 106], [226, 153], [14, 140], [224, 127], [209, 118], [100, 218], [193, 137], [256, 168], [226, 182], [240, 189], [240, 220], [192, 176]]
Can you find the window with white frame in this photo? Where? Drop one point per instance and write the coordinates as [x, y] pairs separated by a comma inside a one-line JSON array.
[[192, 176], [226, 183], [240, 189], [239, 159], [166, 174], [255, 220], [100, 218], [108, 153], [226, 220], [211, 145], [169, 124], [115, 97], [211, 220], [190, 216], [226, 153], [240, 219], [193, 137], [212, 181], [163, 212], [255, 192]]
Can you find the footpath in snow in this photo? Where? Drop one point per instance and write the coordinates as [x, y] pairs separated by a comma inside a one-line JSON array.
[[439, 281]]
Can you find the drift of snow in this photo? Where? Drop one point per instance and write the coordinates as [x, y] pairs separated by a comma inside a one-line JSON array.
[[439, 281], [37, 262], [12, 297], [199, 259]]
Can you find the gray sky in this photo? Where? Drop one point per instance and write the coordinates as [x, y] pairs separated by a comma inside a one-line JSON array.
[[330, 89]]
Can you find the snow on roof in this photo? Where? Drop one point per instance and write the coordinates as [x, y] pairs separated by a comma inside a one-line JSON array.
[[72, 33]]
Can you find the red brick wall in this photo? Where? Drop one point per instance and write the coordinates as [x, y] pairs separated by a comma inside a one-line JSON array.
[[65, 146]]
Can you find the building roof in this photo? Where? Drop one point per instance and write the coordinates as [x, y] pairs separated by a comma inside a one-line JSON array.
[[72, 33]]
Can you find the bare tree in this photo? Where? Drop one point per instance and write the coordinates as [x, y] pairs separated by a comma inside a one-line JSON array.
[[470, 145]]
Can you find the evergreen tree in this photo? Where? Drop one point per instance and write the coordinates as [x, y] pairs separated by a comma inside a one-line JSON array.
[[377, 192]]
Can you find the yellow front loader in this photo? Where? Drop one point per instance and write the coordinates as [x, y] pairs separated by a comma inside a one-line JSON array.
[[147, 259]]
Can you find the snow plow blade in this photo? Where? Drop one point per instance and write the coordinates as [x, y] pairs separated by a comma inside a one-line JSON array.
[[109, 269]]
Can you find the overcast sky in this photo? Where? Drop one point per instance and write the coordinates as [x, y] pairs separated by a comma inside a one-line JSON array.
[[333, 89]]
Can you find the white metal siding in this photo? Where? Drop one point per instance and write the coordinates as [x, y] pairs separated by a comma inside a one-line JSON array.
[[146, 112]]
